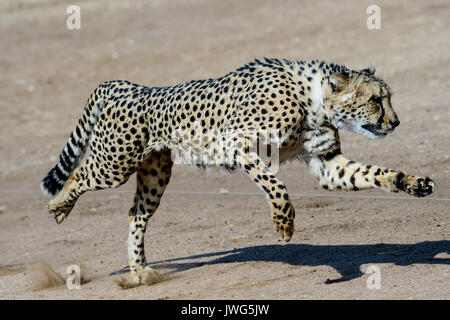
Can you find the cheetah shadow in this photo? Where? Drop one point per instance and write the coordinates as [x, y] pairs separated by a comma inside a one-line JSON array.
[[345, 259]]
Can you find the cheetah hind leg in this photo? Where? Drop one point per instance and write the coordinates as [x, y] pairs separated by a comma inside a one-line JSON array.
[[63, 203], [152, 179], [80, 181]]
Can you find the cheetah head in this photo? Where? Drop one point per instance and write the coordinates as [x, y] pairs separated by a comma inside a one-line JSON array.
[[361, 102]]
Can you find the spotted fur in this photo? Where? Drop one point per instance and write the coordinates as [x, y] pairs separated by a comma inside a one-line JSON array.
[[302, 105]]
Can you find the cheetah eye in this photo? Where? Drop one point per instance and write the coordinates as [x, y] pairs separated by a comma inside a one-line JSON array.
[[377, 100]]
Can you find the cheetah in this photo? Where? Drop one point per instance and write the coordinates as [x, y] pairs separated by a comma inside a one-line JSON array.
[[130, 128]]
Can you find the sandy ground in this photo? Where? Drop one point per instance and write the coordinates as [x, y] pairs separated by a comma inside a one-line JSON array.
[[212, 245]]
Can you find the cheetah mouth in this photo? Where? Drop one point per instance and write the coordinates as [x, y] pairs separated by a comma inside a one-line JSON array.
[[374, 129]]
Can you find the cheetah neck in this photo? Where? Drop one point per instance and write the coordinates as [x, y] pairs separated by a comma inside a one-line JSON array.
[[317, 93], [312, 78], [310, 81]]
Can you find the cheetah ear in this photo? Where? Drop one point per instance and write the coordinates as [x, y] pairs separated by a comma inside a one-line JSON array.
[[370, 70], [338, 81]]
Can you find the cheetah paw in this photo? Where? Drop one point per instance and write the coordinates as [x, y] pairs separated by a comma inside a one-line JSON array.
[[284, 222], [145, 275], [58, 212], [418, 186], [286, 230], [286, 234], [142, 276]]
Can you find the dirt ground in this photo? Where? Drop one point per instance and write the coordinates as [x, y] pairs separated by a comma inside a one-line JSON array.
[[207, 244]]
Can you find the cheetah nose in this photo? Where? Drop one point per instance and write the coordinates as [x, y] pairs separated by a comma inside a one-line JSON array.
[[395, 123]]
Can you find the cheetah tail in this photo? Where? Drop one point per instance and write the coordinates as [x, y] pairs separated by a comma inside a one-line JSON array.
[[75, 147]]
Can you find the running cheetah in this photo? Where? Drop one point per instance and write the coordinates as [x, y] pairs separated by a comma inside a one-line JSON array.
[[302, 105]]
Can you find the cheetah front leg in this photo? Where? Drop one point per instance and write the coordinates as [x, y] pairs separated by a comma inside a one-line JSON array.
[[282, 210], [342, 173], [152, 179]]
